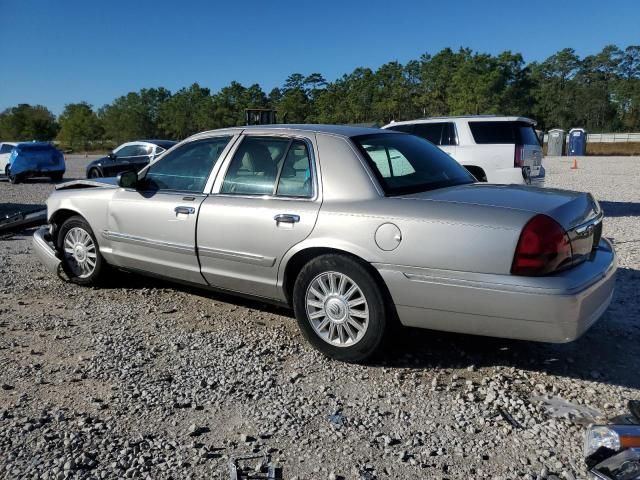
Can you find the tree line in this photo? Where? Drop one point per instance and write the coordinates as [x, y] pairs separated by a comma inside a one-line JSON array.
[[600, 92]]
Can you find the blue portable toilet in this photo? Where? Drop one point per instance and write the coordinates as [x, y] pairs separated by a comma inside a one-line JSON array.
[[577, 141]]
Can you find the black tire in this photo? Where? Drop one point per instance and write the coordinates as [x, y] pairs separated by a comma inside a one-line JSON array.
[[12, 178], [68, 264], [371, 339], [94, 173], [57, 177]]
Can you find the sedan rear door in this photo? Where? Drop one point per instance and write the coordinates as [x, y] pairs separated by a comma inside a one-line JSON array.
[[266, 201]]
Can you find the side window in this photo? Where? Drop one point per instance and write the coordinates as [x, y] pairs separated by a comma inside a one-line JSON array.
[[128, 151], [389, 161], [295, 175], [431, 132], [144, 150], [254, 167], [406, 128], [6, 148], [187, 168], [159, 150]]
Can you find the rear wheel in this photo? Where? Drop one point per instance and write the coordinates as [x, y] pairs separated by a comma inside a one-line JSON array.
[[12, 178], [81, 259], [57, 177], [340, 308]]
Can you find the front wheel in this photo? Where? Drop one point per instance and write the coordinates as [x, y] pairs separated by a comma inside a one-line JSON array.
[[81, 259], [57, 177], [340, 308], [94, 173]]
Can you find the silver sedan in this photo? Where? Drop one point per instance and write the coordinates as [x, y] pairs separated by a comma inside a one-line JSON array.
[[354, 228]]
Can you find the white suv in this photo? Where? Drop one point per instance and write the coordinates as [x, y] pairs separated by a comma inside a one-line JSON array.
[[5, 153], [494, 149]]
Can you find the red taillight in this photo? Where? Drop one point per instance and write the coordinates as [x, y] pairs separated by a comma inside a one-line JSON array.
[[543, 247], [518, 156]]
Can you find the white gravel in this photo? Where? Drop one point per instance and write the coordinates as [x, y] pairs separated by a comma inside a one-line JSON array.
[[145, 379]]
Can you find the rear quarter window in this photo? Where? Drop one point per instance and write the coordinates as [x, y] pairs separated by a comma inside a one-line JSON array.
[[520, 133]]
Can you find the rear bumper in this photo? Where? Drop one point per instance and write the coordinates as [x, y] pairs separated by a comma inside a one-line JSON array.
[[556, 309], [44, 251], [516, 176]]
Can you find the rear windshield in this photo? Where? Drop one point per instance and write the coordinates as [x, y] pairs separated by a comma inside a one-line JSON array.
[[517, 133], [408, 164], [35, 148]]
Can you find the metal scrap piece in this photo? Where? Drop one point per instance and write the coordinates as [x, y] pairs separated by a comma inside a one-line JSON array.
[[21, 220], [507, 416]]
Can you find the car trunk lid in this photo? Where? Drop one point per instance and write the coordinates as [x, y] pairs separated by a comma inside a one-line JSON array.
[[578, 213]]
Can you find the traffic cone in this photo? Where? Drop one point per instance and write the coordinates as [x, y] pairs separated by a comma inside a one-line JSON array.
[[574, 166]]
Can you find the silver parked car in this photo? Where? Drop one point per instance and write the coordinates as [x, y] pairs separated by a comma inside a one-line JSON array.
[[354, 228]]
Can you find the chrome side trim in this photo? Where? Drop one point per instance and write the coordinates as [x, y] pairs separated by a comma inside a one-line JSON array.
[[584, 230], [243, 257], [147, 242]]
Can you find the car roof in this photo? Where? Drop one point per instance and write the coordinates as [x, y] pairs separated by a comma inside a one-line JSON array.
[[160, 143], [338, 130], [34, 144], [8, 143], [484, 118]]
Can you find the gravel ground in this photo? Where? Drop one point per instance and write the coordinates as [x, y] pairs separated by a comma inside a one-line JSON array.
[[145, 379]]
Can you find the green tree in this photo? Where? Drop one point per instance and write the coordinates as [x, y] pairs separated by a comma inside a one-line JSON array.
[[188, 111], [25, 122], [79, 125], [554, 92], [294, 105], [135, 115]]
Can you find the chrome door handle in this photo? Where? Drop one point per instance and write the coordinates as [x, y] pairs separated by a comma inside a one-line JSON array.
[[286, 218], [187, 210]]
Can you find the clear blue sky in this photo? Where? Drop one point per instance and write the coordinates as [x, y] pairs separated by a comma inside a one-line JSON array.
[[54, 52]]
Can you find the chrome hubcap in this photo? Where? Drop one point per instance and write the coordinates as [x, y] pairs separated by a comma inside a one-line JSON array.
[[337, 309], [80, 252]]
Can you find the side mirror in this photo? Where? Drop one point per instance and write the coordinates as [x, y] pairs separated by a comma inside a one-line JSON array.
[[128, 179], [111, 156]]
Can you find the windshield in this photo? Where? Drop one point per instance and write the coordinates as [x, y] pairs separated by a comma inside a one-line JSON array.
[[407, 164]]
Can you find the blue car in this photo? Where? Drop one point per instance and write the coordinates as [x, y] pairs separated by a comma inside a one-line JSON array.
[[35, 159]]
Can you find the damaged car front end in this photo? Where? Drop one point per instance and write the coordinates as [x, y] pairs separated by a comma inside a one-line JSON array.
[[612, 452]]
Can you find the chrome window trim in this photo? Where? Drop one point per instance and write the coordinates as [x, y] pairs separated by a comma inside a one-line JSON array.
[[222, 159], [217, 186]]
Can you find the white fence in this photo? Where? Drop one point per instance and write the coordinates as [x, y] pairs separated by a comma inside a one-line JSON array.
[[605, 137], [612, 137]]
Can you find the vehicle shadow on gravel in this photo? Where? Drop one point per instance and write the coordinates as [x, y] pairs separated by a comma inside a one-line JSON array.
[[131, 280], [608, 353], [620, 209]]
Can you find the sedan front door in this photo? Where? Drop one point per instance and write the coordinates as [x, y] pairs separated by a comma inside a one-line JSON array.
[[152, 228], [267, 202]]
